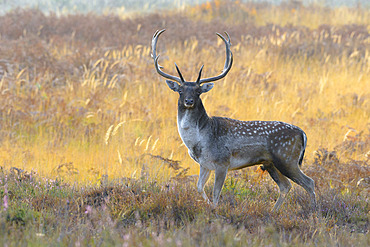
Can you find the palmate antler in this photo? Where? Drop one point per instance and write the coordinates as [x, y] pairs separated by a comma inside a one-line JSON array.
[[227, 67]]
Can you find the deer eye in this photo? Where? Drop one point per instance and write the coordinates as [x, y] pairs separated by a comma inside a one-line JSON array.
[[180, 91]]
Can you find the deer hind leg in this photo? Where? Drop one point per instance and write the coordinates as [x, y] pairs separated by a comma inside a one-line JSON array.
[[305, 181], [203, 178], [281, 181], [296, 175]]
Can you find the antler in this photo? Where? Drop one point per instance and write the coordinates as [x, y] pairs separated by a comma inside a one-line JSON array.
[[227, 67], [228, 62], [155, 57]]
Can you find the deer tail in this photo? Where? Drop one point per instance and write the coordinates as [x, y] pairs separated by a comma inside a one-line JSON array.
[[304, 143]]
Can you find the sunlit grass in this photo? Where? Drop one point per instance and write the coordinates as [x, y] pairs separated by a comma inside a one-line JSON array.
[[107, 121], [106, 125]]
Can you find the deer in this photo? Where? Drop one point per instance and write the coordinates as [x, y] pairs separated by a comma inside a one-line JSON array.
[[221, 144]]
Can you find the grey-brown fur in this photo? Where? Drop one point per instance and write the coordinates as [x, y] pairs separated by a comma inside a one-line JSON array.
[[222, 144]]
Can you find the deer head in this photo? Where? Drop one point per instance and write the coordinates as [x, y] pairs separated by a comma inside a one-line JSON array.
[[189, 92]]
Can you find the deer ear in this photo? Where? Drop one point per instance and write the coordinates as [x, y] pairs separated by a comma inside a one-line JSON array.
[[206, 87], [173, 85]]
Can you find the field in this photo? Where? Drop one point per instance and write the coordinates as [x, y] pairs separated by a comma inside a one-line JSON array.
[[89, 148]]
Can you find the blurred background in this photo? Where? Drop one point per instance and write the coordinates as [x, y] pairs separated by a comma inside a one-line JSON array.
[[129, 6]]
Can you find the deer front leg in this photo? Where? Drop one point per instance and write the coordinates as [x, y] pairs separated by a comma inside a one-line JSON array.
[[220, 175], [203, 178]]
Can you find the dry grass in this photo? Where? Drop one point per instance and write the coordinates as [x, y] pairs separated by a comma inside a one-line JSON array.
[[88, 125], [287, 13]]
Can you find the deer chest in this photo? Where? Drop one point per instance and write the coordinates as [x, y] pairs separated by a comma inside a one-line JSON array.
[[188, 130], [191, 136]]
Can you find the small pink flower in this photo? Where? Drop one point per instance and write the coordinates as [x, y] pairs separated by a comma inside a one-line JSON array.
[[88, 209], [5, 204], [5, 200]]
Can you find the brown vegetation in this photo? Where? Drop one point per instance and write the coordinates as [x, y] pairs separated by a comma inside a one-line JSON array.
[[89, 149]]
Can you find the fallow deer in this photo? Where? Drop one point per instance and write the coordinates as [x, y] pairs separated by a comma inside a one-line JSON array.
[[222, 144]]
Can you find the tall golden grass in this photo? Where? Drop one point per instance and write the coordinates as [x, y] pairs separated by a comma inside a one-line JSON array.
[[80, 98]]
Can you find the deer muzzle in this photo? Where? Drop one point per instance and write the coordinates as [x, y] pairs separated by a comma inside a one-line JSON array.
[[189, 103]]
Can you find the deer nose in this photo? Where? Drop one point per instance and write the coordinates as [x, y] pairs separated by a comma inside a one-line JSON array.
[[189, 102]]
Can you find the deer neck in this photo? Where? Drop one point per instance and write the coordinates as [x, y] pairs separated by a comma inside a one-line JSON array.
[[190, 123], [192, 118]]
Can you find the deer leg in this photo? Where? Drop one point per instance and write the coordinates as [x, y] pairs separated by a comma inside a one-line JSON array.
[[296, 175], [220, 176], [307, 183], [282, 182], [203, 178]]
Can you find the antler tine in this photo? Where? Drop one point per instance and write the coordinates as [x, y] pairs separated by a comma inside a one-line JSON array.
[[228, 51], [178, 71], [228, 61], [228, 37], [155, 57], [154, 42], [200, 74]]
